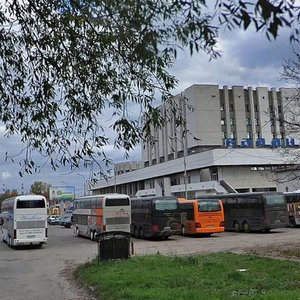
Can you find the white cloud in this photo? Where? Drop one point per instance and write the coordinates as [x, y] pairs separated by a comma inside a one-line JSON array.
[[248, 58], [6, 175]]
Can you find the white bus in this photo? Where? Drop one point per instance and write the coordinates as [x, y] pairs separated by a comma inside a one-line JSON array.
[[97, 214], [23, 220]]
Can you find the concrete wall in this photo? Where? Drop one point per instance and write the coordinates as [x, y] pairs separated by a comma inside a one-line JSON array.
[[242, 177]]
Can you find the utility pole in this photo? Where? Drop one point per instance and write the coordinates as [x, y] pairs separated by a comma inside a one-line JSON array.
[[184, 145], [83, 183]]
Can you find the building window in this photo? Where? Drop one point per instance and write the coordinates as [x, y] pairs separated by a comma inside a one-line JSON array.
[[247, 107], [222, 121], [231, 107], [256, 122], [232, 135], [232, 121], [248, 122], [222, 108], [249, 135]]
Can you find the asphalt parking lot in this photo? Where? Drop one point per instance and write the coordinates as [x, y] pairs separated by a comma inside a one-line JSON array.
[[44, 273]]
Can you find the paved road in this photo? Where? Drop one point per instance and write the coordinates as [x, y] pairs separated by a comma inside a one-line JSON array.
[[35, 274], [41, 274]]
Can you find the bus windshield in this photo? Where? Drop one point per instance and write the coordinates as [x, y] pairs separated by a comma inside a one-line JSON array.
[[30, 203], [166, 204], [212, 205], [117, 202], [275, 199]]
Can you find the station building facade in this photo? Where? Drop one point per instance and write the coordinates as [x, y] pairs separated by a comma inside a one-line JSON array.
[[234, 139]]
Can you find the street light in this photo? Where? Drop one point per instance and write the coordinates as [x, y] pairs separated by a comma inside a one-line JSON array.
[[185, 172], [83, 183], [184, 144]]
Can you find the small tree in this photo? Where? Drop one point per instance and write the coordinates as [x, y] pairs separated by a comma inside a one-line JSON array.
[[8, 194], [40, 188]]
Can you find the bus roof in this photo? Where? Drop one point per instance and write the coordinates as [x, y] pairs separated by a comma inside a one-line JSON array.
[[155, 198], [112, 195], [27, 197], [239, 194]]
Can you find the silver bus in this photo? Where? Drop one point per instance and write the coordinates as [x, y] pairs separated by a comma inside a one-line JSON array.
[[97, 214], [23, 220]]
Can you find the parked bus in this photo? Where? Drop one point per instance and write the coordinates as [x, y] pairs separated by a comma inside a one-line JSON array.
[[260, 211], [154, 217], [97, 214], [23, 220], [293, 205], [201, 216]]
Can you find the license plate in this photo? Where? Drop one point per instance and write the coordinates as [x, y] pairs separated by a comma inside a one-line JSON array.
[[30, 236]]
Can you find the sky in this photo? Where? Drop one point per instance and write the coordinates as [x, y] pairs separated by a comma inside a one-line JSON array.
[[248, 58]]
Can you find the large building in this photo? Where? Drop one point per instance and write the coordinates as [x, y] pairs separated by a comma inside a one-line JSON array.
[[232, 140]]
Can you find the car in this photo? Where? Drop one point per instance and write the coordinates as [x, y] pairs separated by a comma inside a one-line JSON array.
[[65, 221], [53, 220]]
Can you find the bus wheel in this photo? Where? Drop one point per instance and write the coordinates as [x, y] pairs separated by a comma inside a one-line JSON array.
[[9, 243], [292, 222], [183, 231], [237, 226], [141, 233], [246, 227], [92, 235], [135, 233]]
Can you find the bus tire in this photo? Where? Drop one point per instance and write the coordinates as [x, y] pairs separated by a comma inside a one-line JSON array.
[[141, 233], [292, 222], [136, 233], [9, 243], [246, 227], [92, 235], [236, 226], [183, 231]]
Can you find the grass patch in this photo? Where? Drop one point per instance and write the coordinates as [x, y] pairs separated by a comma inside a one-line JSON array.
[[214, 276]]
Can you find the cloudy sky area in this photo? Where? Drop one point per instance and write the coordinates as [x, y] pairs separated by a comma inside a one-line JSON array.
[[248, 58]]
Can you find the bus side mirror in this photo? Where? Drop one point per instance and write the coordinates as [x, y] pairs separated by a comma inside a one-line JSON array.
[[1, 221]]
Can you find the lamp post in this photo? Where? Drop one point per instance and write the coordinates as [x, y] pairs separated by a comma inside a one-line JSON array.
[[83, 183], [184, 144], [185, 172]]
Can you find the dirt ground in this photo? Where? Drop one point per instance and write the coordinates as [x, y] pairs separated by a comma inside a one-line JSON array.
[[289, 251]]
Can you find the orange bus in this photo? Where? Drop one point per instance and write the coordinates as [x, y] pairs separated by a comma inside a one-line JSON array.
[[201, 216]]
